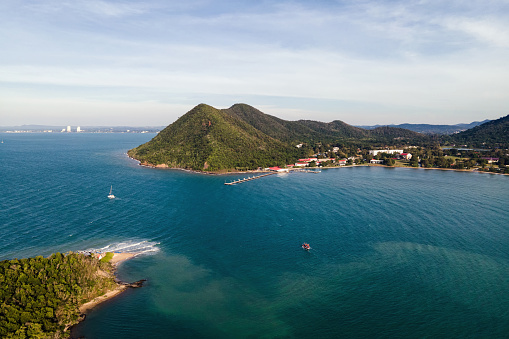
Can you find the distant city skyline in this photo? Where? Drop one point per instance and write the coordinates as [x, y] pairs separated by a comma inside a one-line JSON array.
[[114, 63]]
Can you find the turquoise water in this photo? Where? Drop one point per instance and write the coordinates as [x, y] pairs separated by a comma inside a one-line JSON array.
[[407, 253]]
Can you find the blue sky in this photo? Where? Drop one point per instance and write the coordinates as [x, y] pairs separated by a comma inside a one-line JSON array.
[[140, 63]]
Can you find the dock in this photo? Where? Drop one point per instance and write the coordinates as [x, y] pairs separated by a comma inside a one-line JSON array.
[[239, 181]]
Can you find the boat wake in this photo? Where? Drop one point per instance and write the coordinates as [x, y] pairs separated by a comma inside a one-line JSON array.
[[137, 247]]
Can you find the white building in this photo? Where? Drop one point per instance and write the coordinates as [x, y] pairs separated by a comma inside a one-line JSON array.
[[388, 151], [78, 129], [68, 129]]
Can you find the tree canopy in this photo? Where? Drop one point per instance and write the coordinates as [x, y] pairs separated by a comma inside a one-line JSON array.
[[40, 297]]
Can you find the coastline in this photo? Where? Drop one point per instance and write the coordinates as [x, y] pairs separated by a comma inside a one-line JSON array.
[[473, 170], [121, 287], [164, 166]]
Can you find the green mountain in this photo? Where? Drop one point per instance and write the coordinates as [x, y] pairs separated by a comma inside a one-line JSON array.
[[209, 139], [242, 137], [494, 133]]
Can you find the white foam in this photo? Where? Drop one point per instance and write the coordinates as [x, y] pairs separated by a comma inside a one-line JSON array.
[[138, 247]]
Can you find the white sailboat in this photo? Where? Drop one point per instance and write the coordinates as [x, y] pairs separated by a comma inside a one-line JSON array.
[[111, 196]]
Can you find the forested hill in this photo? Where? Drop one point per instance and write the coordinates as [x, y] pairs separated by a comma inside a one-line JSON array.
[[39, 297], [494, 133], [241, 137], [310, 131], [209, 139]]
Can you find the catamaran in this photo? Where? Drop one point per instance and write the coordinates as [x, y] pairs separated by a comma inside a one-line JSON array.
[[111, 196]]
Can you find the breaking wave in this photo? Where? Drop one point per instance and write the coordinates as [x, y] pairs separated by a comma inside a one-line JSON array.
[[137, 247]]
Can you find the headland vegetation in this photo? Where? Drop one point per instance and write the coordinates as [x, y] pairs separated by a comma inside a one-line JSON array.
[[43, 297], [242, 138]]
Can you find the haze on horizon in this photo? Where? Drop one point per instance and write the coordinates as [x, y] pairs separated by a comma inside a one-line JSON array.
[[145, 63]]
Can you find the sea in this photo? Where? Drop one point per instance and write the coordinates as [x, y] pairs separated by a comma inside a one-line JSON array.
[[395, 252]]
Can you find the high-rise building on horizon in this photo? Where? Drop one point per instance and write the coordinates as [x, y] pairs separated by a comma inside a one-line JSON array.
[[78, 129], [68, 129]]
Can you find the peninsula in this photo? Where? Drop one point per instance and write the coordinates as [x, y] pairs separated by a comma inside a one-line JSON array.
[[42, 297], [242, 138]]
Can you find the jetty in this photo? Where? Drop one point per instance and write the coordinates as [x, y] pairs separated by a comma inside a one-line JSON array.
[[239, 181]]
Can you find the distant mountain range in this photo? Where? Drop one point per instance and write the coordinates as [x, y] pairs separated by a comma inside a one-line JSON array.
[[242, 137], [433, 129]]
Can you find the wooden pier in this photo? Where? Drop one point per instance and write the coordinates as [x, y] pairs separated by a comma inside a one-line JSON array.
[[239, 181]]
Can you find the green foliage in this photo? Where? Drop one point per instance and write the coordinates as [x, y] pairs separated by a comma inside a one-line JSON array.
[[40, 296], [209, 139], [491, 134], [107, 257]]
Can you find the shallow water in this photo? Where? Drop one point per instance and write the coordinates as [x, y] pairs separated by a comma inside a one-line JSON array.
[[395, 252]]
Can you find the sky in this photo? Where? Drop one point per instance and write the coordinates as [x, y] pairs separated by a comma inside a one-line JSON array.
[[146, 63]]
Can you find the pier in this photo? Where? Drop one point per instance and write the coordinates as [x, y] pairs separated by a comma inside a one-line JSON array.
[[239, 181]]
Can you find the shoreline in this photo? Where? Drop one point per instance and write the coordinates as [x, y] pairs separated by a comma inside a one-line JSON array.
[[117, 259], [164, 166], [474, 170]]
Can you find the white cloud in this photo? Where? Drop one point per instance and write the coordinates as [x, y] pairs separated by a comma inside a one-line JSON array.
[[361, 58], [485, 30]]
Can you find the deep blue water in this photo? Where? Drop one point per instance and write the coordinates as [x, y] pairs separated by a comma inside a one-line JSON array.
[[408, 253]]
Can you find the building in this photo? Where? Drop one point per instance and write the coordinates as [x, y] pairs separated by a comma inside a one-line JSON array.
[[78, 129], [68, 129], [406, 156], [490, 160], [388, 151], [341, 162], [374, 161], [278, 169]]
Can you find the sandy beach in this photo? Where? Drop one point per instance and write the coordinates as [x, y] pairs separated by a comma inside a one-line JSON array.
[[115, 261], [119, 257], [108, 295]]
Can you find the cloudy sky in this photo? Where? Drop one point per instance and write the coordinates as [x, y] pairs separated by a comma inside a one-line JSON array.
[[140, 63]]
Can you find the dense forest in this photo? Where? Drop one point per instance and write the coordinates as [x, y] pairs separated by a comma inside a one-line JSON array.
[[243, 138], [492, 134], [39, 297]]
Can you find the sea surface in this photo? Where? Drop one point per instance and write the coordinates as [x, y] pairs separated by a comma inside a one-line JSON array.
[[396, 253]]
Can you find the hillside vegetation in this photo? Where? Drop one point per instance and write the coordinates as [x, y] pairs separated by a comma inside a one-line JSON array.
[[241, 138], [210, 139], [494, 133], [39, 297]]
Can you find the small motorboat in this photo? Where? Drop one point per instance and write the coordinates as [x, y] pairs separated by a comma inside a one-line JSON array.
[[306, 246]]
